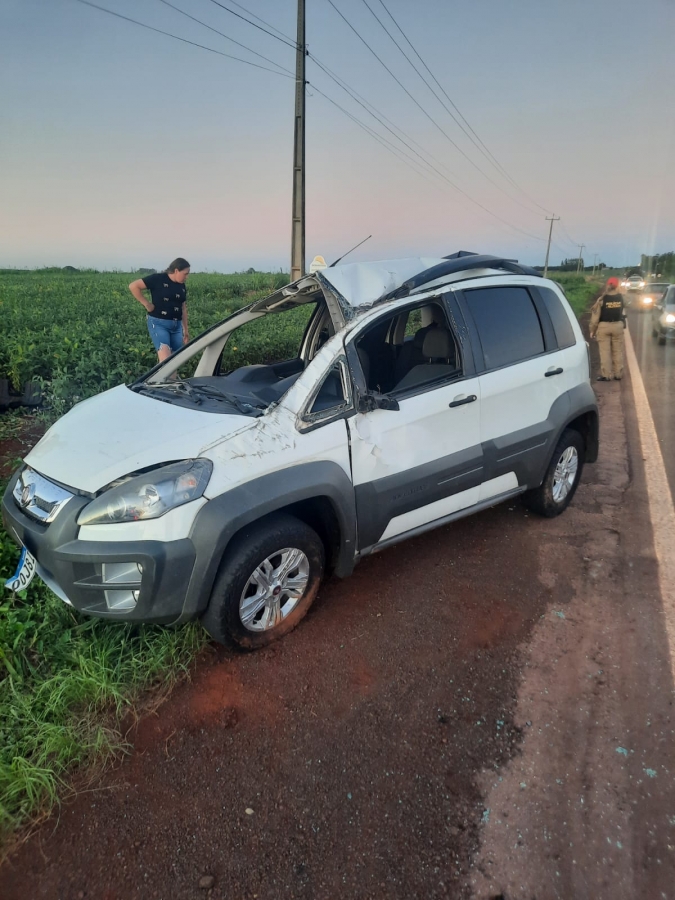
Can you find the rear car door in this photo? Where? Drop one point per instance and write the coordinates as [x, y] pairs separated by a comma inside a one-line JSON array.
[[523, 382]]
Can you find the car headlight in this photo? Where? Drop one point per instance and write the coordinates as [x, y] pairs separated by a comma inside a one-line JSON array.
[[670, 318], [647, 300], [151, 495]]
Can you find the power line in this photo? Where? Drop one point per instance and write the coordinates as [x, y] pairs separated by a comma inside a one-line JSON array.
[[226, 36], [570, 239], [456, 108], [418, 104], [175, 37], [289, 42], [373, 110], [468, 196], [341, 83], [253, 15], [397, 136], [451, 114], [274, 72], [439, 173], [379, 116], [403, 157]]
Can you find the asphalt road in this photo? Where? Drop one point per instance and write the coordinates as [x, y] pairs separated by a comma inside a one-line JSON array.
[[657, 366]]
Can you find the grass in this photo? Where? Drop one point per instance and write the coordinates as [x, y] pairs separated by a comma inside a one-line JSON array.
[[578, 290], [67, 683], [81, 333]]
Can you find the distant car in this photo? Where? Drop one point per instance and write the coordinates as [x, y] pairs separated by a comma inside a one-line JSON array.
[[663, 317], [635, 283], [651, 295]]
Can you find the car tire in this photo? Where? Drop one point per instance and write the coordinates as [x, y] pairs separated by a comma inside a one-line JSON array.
[[662, 339], [251, 590], [563, 474]]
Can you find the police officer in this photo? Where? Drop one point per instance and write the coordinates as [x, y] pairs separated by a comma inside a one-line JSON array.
[[608, 320]]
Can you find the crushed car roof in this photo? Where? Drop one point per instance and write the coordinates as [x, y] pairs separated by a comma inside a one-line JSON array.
[[357, 285], [362, 283]]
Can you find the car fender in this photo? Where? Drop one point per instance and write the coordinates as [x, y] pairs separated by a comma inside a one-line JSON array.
[[224, 516]]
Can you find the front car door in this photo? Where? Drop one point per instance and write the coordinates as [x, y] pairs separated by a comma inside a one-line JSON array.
[[421, 462]]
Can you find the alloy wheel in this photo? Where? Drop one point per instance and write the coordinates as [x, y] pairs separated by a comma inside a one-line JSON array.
[[274, 589], [565, 474]]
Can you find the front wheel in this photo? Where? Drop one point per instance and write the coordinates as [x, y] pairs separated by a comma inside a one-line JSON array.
[[555, 493], [662, 339], [267, 581]]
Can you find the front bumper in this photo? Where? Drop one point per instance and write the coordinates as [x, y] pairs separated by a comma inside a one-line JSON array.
[[77, 571]]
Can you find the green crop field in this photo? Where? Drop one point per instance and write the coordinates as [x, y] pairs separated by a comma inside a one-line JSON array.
[[66, 682], [81, 333]]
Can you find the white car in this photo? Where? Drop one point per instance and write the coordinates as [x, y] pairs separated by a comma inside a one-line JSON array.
[[635, 283], [422, 390], [663, 316]]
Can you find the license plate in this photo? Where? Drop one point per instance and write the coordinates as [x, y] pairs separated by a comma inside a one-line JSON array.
[[25, 572]]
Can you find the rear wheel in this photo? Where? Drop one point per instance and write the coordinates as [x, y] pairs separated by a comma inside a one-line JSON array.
[[560, 483], [267, 581]]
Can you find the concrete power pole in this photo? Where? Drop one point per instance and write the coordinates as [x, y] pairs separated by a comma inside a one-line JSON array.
[[582, 247], [595, 262], [298, 223], [550, 219]]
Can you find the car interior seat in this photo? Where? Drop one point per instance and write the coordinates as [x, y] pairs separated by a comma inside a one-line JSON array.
[[438, 352], [411, 352]]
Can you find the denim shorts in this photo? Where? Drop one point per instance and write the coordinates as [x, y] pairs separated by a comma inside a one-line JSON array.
[[166, 331]]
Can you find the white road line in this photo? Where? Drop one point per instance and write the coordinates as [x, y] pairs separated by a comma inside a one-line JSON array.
[[661, 507]]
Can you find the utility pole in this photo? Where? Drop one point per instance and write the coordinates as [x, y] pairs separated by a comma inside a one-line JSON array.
[[550, 219], [298, 223], [582, 247], [595, 262]]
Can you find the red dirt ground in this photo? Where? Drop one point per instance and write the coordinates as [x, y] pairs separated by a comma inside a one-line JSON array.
[[357, 758]]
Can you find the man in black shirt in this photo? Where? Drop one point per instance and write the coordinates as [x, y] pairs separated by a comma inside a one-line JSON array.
[[608, 320], [167, 310]]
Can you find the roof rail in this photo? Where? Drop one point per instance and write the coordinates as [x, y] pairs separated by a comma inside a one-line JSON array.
[[459, 262]]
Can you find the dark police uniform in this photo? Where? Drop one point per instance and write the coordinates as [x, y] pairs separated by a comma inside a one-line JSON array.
[[607, 322]]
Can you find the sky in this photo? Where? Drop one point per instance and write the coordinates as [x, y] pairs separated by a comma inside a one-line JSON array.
[[124, 148]]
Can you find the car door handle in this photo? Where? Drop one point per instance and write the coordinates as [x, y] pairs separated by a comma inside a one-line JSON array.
[[461, 399], [549, 372]]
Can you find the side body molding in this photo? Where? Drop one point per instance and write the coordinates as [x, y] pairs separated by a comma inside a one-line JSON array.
[[221, 518]]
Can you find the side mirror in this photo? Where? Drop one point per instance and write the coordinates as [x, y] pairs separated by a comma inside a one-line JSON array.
[[372, 400]]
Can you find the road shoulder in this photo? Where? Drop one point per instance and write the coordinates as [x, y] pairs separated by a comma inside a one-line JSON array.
[[587, 809]]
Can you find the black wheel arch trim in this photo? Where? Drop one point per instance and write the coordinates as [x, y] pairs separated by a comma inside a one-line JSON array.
[[577, 403], [224, 516]]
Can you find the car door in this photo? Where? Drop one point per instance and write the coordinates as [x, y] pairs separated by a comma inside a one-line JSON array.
[[420, 460], [524, 380]]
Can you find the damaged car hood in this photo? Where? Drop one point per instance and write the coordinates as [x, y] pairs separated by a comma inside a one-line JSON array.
[[119, 432]]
